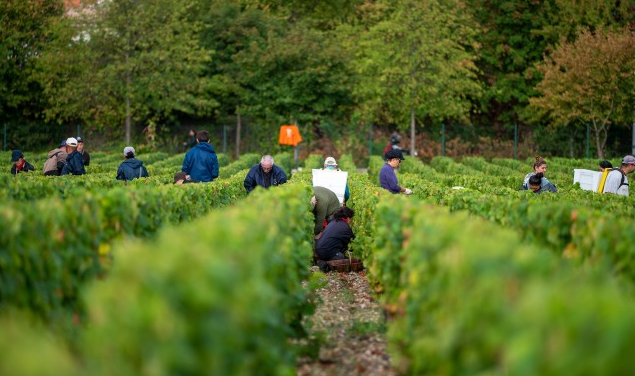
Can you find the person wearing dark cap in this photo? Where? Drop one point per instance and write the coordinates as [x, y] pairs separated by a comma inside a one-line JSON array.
[[131, 168], [19, 163], [182, 178], [84, 153], [616, 181], [55, 161], [74, 162], [388, 177]]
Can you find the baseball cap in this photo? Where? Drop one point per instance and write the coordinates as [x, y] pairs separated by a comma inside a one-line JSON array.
[[63, 143], [394, 154], [17, 154], [629, 159], [71, 141], [330, 161], [79, 139], [127, 150]]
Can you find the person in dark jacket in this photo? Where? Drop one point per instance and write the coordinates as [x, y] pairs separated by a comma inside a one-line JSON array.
[[387, 177], [131, 168], [19, 163], [336, 237], [191, 142], [74, 162], [264, 174], [201, 163], [84, 153]]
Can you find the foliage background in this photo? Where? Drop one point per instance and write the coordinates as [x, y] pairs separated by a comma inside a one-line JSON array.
[[333, 67]]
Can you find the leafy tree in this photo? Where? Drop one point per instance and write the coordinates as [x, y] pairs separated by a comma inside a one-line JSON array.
[[121, 61], [416, 61], [590, 80], [22, 37]]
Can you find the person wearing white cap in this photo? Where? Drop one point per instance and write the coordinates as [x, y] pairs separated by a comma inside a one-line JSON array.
[[74, 162], [616, 181], [331, 164], [131, 168]]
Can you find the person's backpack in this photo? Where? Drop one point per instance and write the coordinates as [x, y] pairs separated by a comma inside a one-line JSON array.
[[622, 182]]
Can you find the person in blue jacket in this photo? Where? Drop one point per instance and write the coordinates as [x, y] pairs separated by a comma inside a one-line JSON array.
[[264, 174], [201, 163], [74, 162], [388, 178], [131, 168]]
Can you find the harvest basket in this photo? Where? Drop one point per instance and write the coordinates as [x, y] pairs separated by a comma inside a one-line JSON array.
[[346, 265]]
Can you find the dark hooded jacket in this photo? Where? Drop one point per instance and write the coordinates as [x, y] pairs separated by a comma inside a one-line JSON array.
[[256, 176], [74, 164], [131, 169], [201, 163]]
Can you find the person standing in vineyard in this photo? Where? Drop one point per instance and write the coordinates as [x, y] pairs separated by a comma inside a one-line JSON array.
[[604, 165], [19, 163], [616, 181], [540, 167], [74, 162], [265, 174], [330, 164], [201, 163], [131, 168], [388, 177], [84, 153]]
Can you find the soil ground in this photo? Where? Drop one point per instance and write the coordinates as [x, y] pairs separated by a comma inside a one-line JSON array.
[[351, 328]]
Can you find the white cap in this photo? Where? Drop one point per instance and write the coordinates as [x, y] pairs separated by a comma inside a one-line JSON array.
[[127, 150], [330, 161], [71, 141]]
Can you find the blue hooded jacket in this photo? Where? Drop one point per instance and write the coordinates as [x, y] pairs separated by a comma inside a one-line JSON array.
[[74, 164], [201, 163], [131, 169]]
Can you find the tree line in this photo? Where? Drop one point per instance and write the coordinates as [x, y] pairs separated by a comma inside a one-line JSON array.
[[553, 66]]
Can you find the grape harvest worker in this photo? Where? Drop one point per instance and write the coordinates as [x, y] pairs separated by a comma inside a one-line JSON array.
[[265, 174], [131, 168], [201, 163], [330, 164], [388, 177], [56, 160], [616, 181], [19, 163], [74, 162], [604, 165], [540, 166], [535, 184], [84, 153], [325, 203], [337, 236]]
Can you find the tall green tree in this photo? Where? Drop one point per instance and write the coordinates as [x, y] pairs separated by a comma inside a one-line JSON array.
[[590, 80], [125, 61], [417, 61], [23, 35]]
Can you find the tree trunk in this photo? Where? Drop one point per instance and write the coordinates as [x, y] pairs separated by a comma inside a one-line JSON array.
[[128, 123], [238, 127], [598, 143], [412, 131]]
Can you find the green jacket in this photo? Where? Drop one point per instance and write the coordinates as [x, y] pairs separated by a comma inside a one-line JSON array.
[[327, 203]]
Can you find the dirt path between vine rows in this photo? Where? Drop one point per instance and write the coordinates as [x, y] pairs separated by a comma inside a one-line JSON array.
[[351, 328]]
